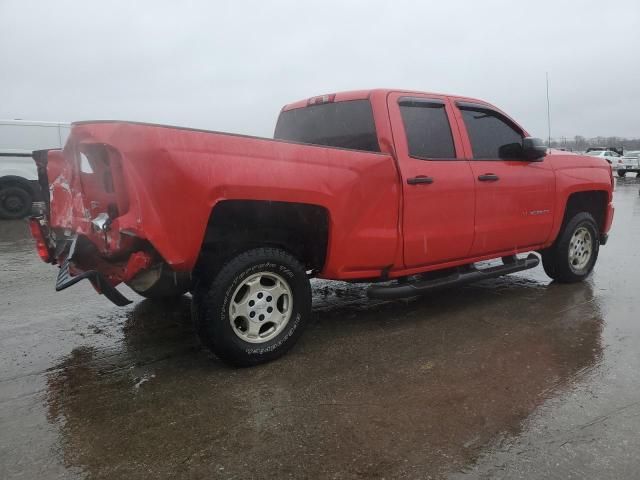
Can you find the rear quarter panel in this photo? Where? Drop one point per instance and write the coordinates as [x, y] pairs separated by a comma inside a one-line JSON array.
[[175, 177]]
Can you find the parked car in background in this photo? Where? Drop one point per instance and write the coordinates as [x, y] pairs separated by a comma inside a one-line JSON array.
[[631, 161], [18, 175], [614, 158], [618, 150]]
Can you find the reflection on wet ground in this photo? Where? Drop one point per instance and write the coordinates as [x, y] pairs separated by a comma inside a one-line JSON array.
[[514, 377]]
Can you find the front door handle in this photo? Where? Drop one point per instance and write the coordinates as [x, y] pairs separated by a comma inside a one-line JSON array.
[[419, 179], [489, 177]]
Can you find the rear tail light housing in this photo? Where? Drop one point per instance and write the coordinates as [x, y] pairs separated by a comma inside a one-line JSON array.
[[41, 240], [102, 179]]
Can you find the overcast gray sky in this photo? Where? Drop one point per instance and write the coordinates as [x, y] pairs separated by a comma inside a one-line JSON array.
[[231, 65]]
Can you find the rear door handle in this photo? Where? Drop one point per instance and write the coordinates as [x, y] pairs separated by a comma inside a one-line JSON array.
[[419, 179], [489, 177]]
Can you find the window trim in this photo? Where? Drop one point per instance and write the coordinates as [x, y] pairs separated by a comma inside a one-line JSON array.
[[303, 107], [478, 107], [423, 102], [420, 102]]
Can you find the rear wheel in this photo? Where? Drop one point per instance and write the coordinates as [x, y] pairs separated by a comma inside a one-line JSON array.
[[621, 173], [255, 308], [15, 202], [572, 257]]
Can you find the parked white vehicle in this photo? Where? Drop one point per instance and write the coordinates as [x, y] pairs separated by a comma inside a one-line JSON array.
[[18, 175], [614, 158], [631, 162]]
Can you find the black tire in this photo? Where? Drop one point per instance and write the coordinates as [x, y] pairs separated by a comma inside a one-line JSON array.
[[211, 307], [198, 314], [621, 173], [555, 259], [15, 202]]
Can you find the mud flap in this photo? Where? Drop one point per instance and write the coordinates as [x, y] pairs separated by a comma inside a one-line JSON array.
[[65, 280]]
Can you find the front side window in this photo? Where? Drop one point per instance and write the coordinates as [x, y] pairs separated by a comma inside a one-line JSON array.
[[427, 128], [347, 124], [491, 135]]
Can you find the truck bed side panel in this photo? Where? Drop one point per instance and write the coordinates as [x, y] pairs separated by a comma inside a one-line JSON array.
[[175, 177]]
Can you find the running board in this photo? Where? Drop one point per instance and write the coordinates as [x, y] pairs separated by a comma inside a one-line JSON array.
[[404, 290]]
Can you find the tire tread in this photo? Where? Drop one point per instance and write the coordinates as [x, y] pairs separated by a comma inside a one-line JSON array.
[[208, 298], [554, 258]]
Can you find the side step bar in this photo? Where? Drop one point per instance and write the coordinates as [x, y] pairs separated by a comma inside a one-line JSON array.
[[404, 290]]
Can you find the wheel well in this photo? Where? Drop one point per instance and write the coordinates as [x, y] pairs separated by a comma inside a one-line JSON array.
[[593, 202], [238, 225]]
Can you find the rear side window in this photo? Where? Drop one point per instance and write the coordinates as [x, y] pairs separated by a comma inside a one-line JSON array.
[[427, 128], [490, 133], [342, 124]]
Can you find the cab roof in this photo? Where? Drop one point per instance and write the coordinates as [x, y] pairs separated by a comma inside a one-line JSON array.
[[366, 94]]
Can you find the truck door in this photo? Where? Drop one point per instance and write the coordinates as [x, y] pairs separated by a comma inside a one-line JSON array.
[[514, 197], [437, 182]]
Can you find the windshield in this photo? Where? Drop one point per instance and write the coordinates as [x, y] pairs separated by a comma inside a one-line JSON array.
[[343, 124]]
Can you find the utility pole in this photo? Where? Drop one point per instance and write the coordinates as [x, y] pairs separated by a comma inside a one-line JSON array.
[[548, 114]]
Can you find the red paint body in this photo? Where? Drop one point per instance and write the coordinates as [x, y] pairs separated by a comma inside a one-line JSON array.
[[166, 181]]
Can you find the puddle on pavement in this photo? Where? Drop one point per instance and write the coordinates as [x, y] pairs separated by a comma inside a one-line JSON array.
[[427, 386]]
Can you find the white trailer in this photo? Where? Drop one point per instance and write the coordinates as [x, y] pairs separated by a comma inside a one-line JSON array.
[[18, 175]]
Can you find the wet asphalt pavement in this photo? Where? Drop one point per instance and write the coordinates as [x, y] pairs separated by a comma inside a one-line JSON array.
[[510, 378]]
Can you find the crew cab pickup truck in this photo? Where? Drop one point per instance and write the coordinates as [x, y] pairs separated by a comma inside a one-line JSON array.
[[400, 189]]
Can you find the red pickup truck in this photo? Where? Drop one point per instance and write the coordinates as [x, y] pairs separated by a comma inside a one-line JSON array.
[[405, 190]]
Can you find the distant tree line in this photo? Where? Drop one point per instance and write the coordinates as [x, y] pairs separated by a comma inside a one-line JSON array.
[[580, 144]]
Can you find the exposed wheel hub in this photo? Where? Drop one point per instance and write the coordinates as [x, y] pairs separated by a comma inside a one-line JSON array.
[[580, 248], [260, 307], [13, 203]]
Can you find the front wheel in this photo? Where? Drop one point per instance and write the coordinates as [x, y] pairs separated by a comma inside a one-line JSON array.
[[622, 173], [255, 308], [572, 257]]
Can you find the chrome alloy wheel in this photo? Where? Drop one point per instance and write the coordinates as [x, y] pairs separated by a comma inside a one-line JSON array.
[[260, 307], [580, 249]]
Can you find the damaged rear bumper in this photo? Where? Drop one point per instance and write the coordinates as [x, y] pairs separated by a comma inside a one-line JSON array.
[[100, 283], [66, 279]]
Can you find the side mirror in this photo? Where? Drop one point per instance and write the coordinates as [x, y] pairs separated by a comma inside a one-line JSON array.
[[530, 150], [533, 149], [511, 151]]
